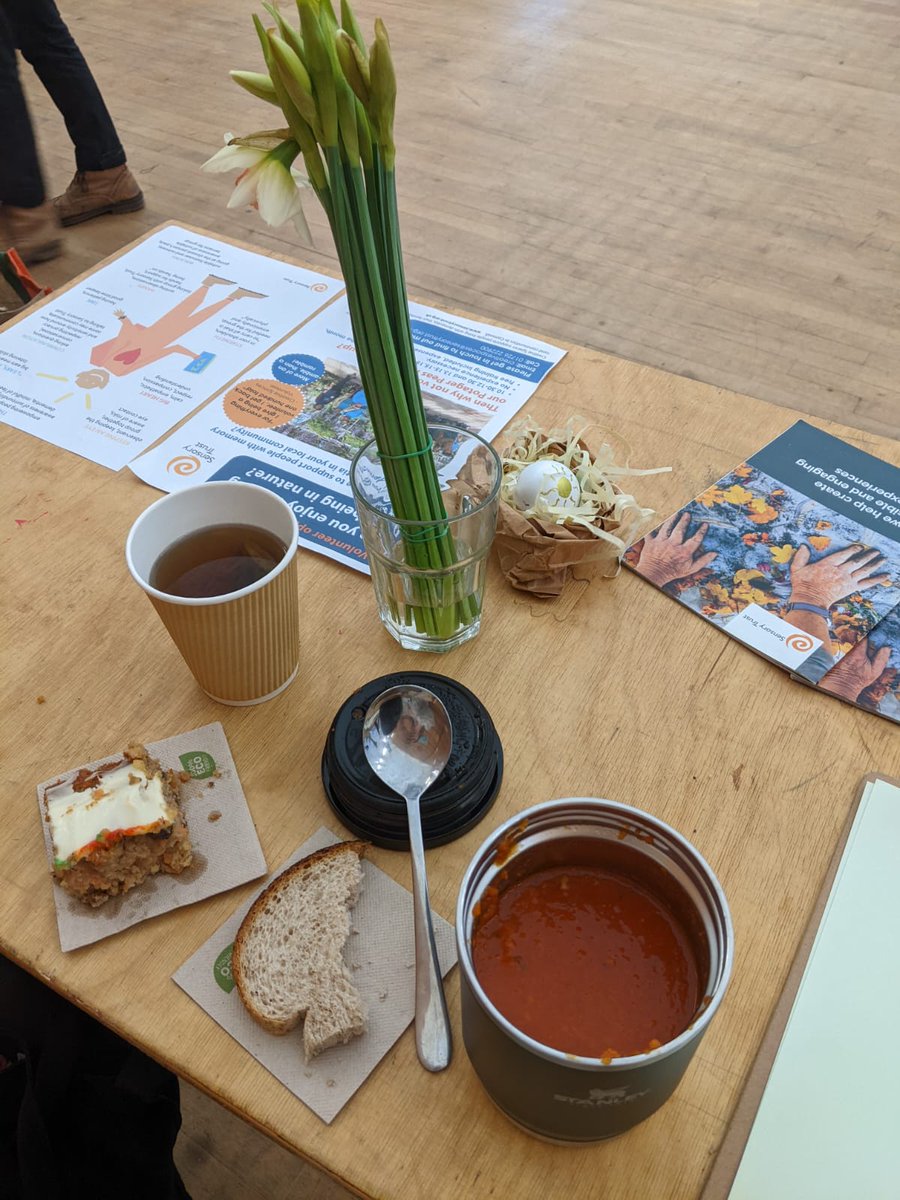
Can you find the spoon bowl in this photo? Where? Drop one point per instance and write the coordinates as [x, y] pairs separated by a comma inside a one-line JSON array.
[[407, 738]]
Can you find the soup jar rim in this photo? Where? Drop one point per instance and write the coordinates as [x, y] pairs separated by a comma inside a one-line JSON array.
[[565, 816]]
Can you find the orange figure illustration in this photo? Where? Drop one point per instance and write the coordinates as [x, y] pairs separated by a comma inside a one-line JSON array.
[[137, 346]]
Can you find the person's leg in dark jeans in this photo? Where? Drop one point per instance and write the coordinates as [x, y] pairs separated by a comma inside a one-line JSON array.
[[27, 221], [47, 45], [103, 182], [21, 182], [82, 1113]]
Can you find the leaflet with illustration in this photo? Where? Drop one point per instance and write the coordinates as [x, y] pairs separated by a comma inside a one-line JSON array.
[[294, 421], [796, 553], [112, 363]]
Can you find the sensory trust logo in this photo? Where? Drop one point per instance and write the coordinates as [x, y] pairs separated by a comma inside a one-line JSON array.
[[184, 464], [771, 635], [801, 642]]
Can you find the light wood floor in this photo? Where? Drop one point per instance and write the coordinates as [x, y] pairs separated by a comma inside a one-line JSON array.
[[709, 186]]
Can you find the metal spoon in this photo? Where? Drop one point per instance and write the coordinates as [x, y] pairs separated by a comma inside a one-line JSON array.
[[407, 739]]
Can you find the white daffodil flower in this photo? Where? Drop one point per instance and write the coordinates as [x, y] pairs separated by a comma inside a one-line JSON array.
[[267, 182], [234, 158]]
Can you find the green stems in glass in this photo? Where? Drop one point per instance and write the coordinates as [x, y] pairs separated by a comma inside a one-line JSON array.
[[338, 98]]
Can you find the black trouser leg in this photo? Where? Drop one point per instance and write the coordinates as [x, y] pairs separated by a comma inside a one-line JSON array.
[[46, 43], [21, 184]]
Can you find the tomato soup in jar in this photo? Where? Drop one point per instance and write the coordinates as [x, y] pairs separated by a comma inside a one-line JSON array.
[[589, 947]]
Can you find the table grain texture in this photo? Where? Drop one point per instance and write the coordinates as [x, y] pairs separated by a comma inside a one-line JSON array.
[[613, 691]]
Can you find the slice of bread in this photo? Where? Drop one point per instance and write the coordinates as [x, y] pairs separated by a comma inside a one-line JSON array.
[[287, 959]]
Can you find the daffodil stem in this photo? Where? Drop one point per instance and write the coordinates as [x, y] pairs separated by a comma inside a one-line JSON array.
[[348, 110]]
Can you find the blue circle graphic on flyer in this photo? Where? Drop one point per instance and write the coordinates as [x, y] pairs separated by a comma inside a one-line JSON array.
[[298, 369]]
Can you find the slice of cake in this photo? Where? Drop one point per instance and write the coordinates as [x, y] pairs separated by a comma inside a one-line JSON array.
[[113, 826]]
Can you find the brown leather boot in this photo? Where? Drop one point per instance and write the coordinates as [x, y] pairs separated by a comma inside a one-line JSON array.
[[93, 193], [33, 232]]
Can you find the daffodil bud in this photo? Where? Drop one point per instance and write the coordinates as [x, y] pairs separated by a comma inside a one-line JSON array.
[[293, 77], [256, 84], [384, 91], [287, 32], [346, 101], [354, 65], [318, 62], [262, 139], [349, 22], [299, 127], [346, 107], [327, 19], [263, 35]]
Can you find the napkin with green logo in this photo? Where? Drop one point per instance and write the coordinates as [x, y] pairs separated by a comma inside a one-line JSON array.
[[380, 954], [226, 849]]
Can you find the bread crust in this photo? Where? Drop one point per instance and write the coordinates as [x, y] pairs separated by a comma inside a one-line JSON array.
[[278, 884]]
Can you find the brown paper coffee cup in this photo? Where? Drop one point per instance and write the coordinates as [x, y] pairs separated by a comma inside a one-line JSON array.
[[243, 648]]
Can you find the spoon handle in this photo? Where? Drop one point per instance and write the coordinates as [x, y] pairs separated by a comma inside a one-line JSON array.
[[433, 1041]]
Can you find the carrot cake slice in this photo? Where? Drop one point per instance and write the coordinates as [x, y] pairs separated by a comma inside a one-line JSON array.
[[113, 826]]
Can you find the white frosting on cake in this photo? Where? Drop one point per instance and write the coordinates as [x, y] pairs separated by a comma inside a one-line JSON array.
[[124, 799]]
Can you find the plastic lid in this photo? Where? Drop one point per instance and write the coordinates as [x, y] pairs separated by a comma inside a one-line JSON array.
[[459, 797]]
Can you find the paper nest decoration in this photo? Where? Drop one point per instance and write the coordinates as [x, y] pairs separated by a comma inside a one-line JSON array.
[[540, 546]]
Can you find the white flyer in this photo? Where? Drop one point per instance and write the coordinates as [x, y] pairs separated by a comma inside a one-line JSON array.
[[294, 421], [109, 365]]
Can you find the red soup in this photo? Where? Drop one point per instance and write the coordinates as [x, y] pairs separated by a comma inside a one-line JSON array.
[[595, 951]]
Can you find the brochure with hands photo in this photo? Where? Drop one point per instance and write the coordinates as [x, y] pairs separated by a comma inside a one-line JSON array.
[[796, 553], [869, 676]]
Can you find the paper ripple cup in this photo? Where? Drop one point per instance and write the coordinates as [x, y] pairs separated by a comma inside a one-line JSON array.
[[243, 647]]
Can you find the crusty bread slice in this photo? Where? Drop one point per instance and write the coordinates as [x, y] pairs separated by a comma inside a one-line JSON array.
[[287, 958]]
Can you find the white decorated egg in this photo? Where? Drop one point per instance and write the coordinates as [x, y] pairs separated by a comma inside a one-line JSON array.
[[549, 483]]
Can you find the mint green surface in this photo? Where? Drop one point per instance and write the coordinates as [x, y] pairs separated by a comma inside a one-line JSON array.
[[828, 1127]]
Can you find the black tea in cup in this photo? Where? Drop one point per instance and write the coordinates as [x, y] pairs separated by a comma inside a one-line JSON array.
[[216, 561]]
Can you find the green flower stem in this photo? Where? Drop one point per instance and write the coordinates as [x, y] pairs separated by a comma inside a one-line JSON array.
[[380, 377], [338, 100]]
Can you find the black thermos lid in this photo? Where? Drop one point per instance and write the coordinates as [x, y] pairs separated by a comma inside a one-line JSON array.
[[459, 797]]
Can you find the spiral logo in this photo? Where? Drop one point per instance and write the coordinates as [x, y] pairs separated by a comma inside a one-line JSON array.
[[801, 642], [319, 287], [185, 464]]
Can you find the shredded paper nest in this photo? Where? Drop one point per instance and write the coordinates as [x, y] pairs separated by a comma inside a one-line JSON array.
[[540, 546]]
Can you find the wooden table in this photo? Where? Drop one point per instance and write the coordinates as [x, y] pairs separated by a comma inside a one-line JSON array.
[[612, 691]]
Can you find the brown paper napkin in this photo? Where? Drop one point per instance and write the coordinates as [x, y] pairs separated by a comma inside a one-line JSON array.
[[380, 953], [226, 849]]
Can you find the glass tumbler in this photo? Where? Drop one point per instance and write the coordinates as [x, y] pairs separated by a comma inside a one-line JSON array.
[[429, 576]]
